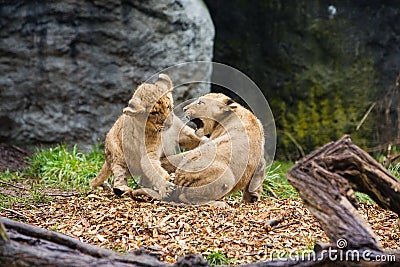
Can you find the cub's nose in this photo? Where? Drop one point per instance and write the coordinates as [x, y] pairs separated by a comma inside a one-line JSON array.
[[188, 114]]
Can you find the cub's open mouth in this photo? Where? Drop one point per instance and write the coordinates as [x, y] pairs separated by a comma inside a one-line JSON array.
[[199, 123]]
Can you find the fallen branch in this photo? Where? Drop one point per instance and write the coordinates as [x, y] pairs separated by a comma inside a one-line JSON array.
[[285, 225], [365, 116], [273, 222], [63, 194], [28, 245], [326, 180]]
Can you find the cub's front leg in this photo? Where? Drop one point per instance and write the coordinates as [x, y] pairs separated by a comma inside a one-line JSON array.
[[155, 177]]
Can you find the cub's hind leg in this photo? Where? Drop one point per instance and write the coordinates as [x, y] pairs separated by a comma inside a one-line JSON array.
[[121, 174], [252, 193], [101, 178]]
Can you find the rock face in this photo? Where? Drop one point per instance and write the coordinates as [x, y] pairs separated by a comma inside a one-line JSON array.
[[67, 68]]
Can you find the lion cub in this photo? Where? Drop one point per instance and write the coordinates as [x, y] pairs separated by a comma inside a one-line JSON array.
[[149, 129], [232, 159]]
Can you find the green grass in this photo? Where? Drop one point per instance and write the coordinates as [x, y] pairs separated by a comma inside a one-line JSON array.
[[59, 167], [395, 170], [276, 183], [66, 168], [363, 198], [25, 191], [217, 257]]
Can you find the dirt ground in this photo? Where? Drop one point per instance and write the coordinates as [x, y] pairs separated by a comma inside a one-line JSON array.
[[240, 231], [13, 158]]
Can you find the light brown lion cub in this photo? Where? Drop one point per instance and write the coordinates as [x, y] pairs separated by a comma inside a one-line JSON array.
[[234, 153], [149, 116]]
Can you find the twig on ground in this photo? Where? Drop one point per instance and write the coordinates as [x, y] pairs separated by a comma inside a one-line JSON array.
[[15, 212], [64, 195], [285, 225], [274, 222], [272, 192], [13, 185]]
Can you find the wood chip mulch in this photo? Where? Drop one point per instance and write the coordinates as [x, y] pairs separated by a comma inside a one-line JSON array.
[[241, 231]]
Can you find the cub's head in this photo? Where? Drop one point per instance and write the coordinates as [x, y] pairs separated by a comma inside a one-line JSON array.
[[208, 111], [153, 101]]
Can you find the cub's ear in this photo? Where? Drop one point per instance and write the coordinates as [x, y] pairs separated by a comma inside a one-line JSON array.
[[230, 104], [164, 81], [134, 107]]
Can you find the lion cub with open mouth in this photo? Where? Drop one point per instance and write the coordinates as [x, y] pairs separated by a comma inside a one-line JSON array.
[[147, 130], [232, 159]]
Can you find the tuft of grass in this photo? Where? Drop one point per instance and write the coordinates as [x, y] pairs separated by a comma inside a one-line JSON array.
[[66, 168], [276, 183], [363, 198], [216, 258], [8, 176], [395, 170]]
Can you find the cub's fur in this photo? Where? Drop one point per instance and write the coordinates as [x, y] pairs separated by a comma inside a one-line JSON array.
[[234, 152], [147, 126]]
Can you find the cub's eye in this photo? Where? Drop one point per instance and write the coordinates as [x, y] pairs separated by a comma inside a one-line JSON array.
[[154, 113], [200, 102]]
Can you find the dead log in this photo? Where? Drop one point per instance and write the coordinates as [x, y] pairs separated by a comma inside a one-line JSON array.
[[326, 180], [27, 245]]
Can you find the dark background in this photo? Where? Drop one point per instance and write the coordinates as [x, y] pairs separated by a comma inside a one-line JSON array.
[[320, 73]]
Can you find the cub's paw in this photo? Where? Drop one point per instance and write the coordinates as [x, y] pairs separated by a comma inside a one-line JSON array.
[[106, 186], [204, 140], [217, 204], [122, 190], [165, 190]]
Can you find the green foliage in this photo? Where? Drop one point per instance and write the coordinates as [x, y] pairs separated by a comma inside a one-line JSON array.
[[363, 198], [395, 170], [333, 105], [328, 96], [8, 176], [276, 184], [66, 168], [217, 257]]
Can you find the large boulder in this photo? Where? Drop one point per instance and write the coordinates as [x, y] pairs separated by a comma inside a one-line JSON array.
[[67, 68]]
